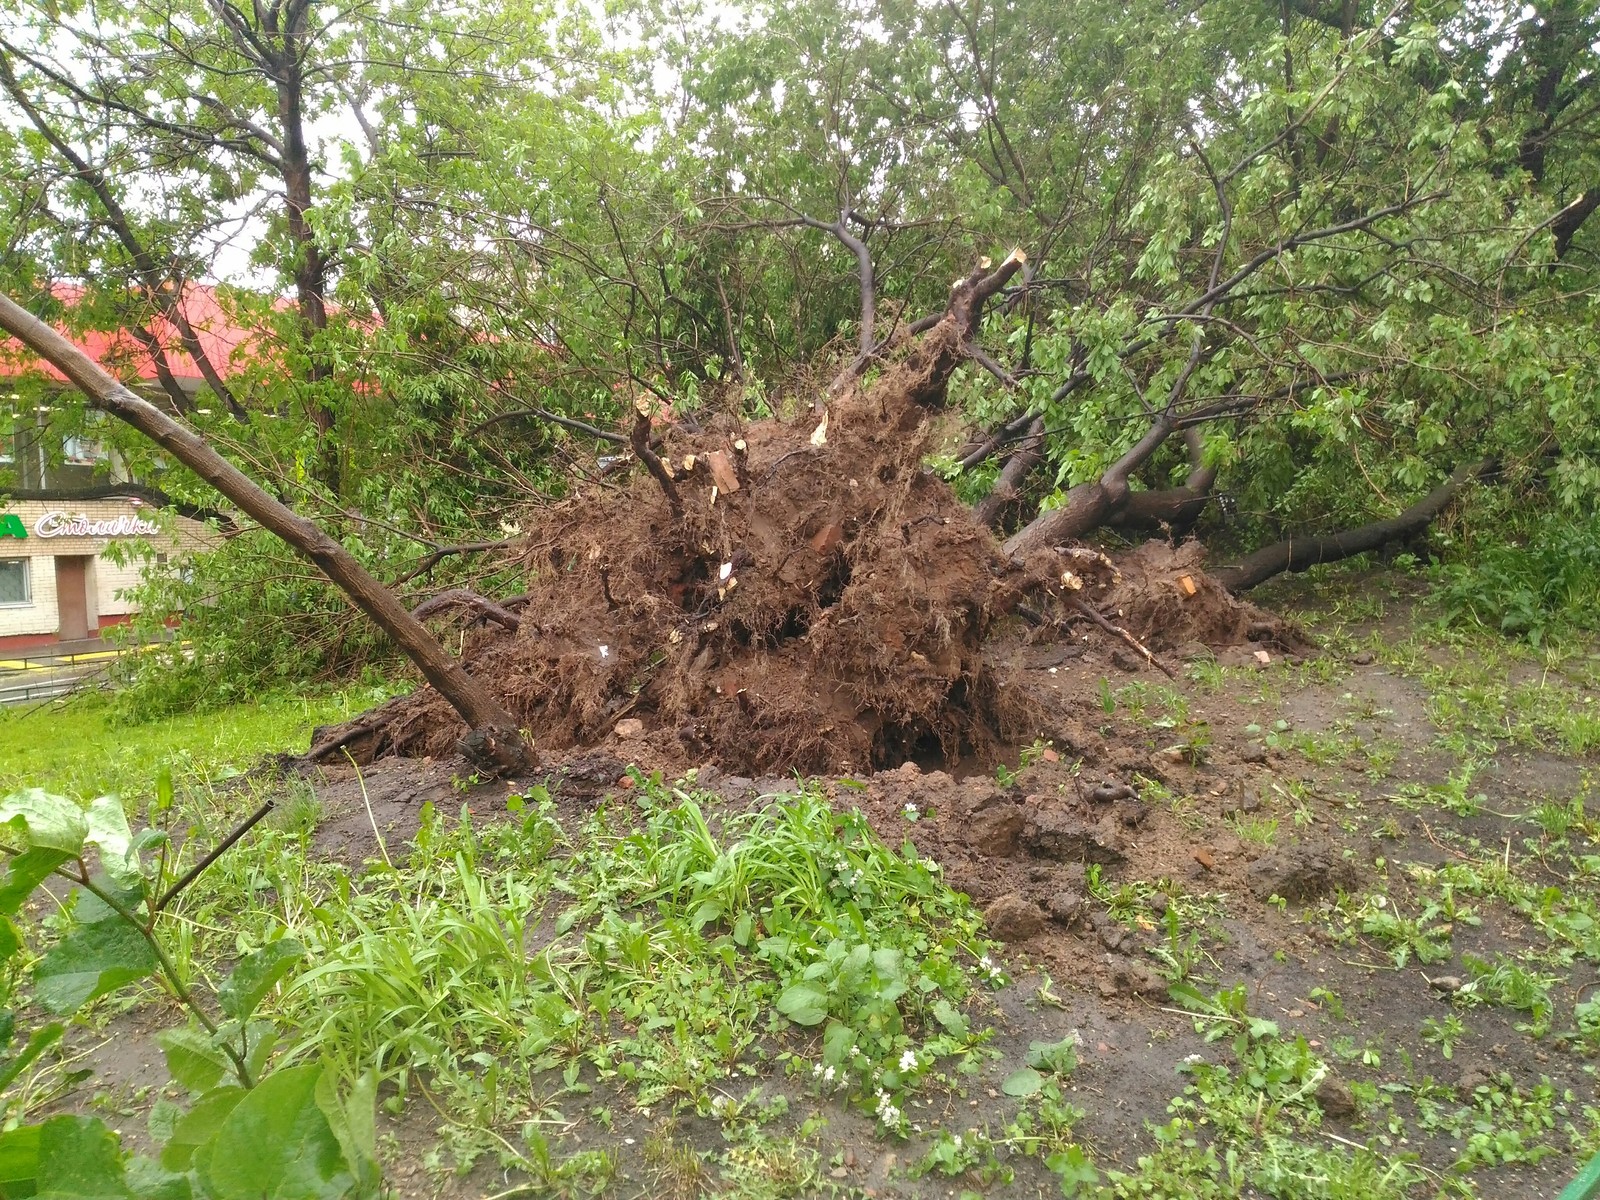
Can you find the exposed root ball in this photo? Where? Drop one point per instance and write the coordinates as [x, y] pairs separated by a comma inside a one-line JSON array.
[[811, 598]]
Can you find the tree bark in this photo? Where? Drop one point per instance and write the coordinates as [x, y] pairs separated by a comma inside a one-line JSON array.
[[1177, 508], [1090, 505], [1008, 487], [493, 738], [1300, 554]]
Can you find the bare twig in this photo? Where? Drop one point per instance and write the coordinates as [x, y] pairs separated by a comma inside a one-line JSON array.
[[1118, 631]]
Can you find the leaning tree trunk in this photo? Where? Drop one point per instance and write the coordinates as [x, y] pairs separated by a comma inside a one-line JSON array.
[[493, 740]]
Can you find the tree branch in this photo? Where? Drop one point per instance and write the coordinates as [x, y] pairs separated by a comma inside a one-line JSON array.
[[1300, 554]]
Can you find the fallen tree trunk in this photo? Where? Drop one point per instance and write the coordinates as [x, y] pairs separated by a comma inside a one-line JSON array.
[[1300, 554], [493, 740]]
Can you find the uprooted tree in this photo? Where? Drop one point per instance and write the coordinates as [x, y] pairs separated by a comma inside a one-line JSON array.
[[1298, 274], [802, 594]]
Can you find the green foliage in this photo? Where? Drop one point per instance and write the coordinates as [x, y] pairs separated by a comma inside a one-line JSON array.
[[250, 1132], [1542, 583], [707, 932]]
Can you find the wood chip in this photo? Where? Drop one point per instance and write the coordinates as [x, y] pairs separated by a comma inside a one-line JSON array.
[[828, 537], [1188, 585], [1262, 657], [722, 471], [1205, 859]]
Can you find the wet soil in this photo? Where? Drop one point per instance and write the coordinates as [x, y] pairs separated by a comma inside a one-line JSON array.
[[1203, 807]]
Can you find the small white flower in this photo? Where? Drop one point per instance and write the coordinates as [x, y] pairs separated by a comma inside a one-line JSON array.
[[605, 653], [827, 1076], [1194, 1058], [986, 963], [910, 811], [955, 1139], [908, 1061], [816, 1068]]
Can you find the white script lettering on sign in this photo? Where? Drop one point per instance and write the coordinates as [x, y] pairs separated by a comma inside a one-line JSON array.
[[58, 523]]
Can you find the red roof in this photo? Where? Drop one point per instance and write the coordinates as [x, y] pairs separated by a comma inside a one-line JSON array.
[[120, 353]]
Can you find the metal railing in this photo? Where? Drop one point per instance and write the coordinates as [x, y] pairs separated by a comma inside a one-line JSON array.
[[48, 672]]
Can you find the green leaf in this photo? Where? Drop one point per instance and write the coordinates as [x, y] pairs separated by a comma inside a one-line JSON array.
[[278, 1143], [837, 1041], [89, 962], [950, 1017], [24, 873], [64, 1158], [803, 1003], [1023, 1082], [45, 821], [256, 975], [42, 1039], [193, 1061], [109, 833], [353, 1119], [199, 1126], [19, 1159], [91, 910], [164, 788], [1060, 1057], [148, 1181], [1073, 1168]]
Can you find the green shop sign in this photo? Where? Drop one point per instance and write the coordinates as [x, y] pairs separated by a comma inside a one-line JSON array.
[[11, 526]]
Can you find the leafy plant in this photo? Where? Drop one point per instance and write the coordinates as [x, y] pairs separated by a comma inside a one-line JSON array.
[[249, 1131]]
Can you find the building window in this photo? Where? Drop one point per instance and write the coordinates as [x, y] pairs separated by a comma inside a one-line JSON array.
[[14, 581], [81, 451]]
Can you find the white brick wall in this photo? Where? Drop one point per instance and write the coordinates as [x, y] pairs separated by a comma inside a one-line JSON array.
[[106, 579]]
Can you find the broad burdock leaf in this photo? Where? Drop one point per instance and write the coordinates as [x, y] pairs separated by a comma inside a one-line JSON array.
[[1023, 1082], [803, 1003], [89, 962]]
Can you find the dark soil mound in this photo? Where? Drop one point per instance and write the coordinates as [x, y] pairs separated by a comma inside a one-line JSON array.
[[811, 598]]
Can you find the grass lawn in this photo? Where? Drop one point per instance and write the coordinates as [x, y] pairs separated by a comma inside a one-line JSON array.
[[80, 749]]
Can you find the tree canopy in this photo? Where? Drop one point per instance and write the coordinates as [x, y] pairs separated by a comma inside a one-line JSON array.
[[1290, 266]]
